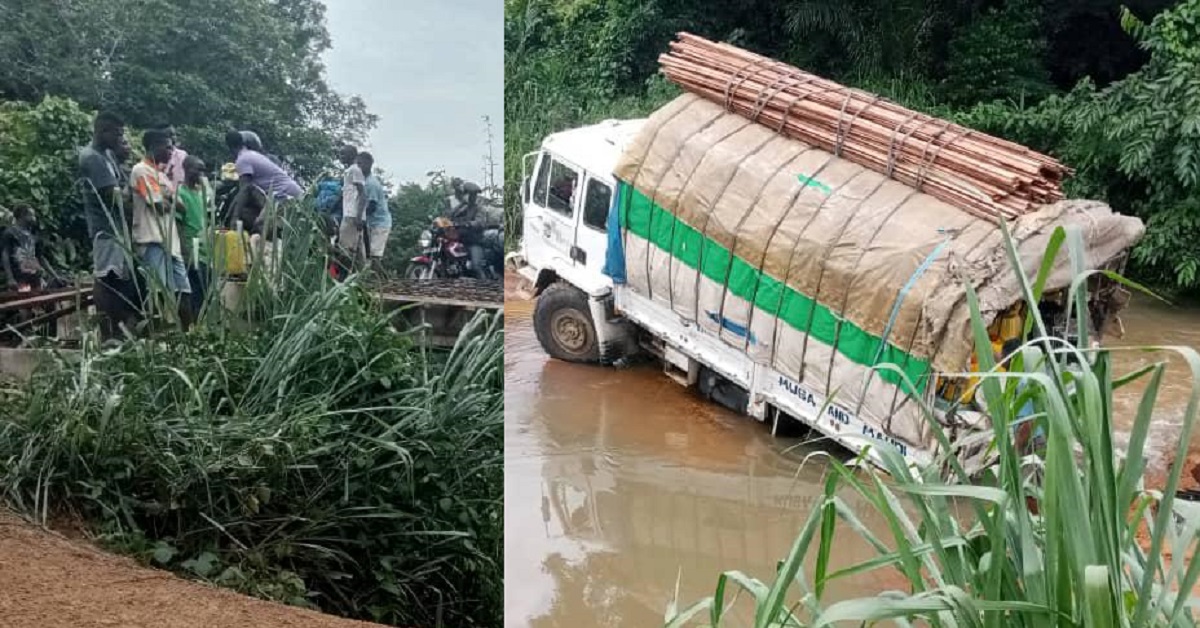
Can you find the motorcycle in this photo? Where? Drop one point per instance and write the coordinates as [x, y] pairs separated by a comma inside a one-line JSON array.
[[445, 256]]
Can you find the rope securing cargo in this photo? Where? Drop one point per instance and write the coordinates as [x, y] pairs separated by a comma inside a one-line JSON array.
[[985, 176]]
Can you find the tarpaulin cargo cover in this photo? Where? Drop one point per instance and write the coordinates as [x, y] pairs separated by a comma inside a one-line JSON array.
[[819, 267]]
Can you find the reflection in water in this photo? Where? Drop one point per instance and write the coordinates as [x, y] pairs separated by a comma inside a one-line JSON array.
[[620, 482]]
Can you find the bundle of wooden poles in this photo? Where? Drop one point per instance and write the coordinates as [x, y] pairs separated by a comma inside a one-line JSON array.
[[986, 176]]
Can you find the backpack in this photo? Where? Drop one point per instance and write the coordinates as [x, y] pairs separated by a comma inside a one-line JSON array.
[[329, 197]]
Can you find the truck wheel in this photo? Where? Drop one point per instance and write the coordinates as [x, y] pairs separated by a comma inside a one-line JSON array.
[[564, 327]]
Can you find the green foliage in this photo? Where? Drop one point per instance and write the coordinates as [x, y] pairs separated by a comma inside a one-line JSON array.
[[1148, 125], [552, 52], [1049, 539], [998, 57], [38, 162], [296, 447], [863, 36], [1135, 143], [1015, 68], [204, 66]]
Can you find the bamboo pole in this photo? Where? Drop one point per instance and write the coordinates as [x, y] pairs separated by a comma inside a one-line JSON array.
[[986, 176]]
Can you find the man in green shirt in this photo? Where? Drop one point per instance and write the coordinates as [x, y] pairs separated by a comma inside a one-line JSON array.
[[196, 197]]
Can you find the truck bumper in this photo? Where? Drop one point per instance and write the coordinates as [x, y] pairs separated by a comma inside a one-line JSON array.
[[516, 261]]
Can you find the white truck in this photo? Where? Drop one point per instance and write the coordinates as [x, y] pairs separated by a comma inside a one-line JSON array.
[[777, 281]]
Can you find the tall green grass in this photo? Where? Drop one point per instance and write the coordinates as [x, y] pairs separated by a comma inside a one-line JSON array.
[[297, 447], [1048, 538]]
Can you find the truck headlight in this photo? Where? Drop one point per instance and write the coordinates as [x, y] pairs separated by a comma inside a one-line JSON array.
[[426, 239]]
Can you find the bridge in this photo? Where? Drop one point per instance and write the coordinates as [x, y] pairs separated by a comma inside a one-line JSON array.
[[441, 306], [439, 309]]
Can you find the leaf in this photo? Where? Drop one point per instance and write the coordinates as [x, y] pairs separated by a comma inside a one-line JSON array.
[[202, 565], [164, 552]]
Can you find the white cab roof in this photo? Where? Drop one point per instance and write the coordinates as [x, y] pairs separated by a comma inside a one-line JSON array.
[[594, 148]]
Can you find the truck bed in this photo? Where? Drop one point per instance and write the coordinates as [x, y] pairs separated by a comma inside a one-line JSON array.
[[773, 396]]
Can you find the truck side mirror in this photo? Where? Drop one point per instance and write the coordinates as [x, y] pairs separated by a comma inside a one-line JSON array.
[[525, 190]]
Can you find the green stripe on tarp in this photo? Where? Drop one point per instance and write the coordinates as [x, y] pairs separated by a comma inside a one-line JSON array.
[[647, 220]]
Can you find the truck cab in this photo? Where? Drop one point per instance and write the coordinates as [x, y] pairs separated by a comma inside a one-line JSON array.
[[567, 193]]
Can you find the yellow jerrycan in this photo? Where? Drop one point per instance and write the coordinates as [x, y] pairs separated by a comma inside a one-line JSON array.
[[229, 254]]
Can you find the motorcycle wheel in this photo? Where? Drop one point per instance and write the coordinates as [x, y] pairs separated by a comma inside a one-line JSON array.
[[420, 272]]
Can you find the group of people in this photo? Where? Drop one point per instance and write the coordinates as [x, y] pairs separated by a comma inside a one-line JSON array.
[[356, 205], [146, 221]]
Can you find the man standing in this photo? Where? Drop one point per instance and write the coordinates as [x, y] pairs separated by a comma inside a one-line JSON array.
[[109, 225], [174, 166], [18, 252], [155, 232], [196, 196], [354, 203], [379, 215]]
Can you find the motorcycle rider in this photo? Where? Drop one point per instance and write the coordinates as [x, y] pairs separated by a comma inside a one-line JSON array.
[[469, 219]]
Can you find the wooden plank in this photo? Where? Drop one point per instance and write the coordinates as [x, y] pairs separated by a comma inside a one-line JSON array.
[[425, 300], [42, 319], [84, 294]]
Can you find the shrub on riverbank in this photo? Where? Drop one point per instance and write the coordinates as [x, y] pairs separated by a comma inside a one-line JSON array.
[[1051, 539]]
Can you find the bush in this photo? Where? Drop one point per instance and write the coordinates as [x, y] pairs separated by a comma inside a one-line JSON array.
[[38, 165]]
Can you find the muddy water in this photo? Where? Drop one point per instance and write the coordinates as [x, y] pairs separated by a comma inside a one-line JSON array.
[[619, 483], [1152, 323]]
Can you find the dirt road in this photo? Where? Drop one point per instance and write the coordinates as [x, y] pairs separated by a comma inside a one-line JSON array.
[[48, 581]]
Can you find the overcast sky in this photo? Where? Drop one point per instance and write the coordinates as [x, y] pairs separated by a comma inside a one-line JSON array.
[[430, 71]]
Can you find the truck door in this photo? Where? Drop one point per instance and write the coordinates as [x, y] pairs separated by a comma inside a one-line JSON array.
[[550, 213], [591, 237]]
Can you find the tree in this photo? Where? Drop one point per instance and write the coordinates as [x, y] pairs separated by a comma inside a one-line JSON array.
[[998, 56], [204, 66], [37, 166], [1146, 127]]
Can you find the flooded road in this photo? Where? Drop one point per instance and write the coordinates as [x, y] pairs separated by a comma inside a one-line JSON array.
[[1148, 322], [618, 482]]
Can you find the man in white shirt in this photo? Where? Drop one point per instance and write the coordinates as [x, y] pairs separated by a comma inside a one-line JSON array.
[[354, 202], [155, 229]]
